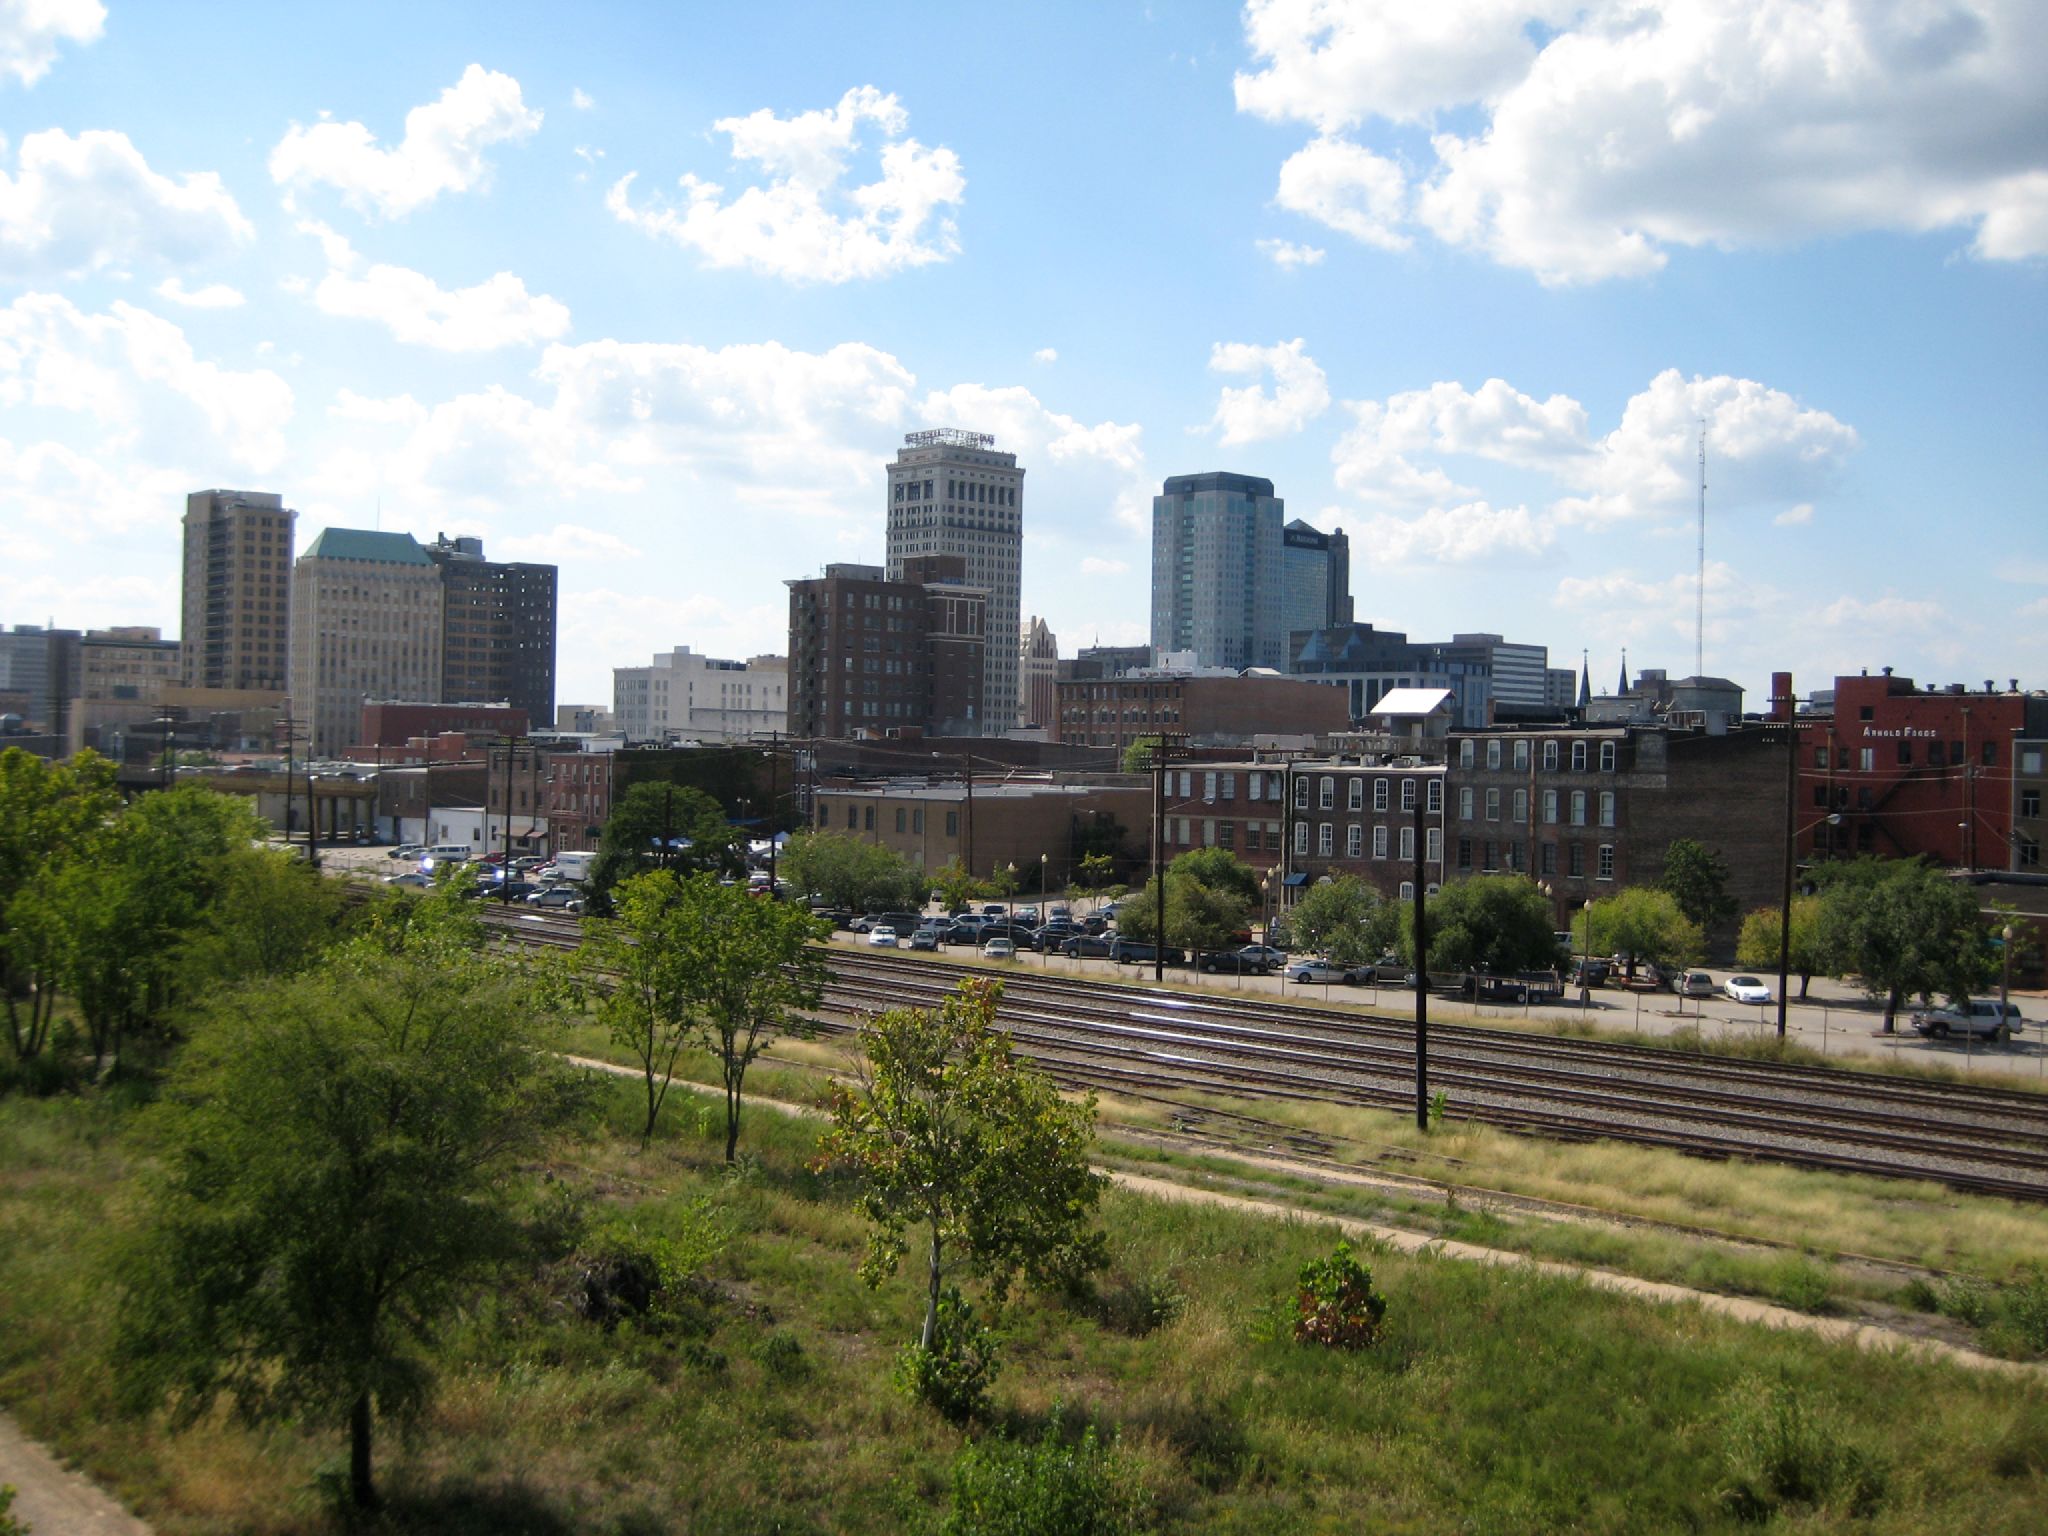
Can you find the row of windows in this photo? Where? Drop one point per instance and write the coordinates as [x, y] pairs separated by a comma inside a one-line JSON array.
[[1354, 842], [1518, 806], [1866, 757], [1495, 857], [1326, 793], [1516, 753]]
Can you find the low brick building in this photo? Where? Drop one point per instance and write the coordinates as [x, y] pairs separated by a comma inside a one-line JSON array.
[[1209, 711], [933, 823]]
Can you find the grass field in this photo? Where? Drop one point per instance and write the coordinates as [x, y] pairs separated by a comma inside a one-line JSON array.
[[1496, 1401]]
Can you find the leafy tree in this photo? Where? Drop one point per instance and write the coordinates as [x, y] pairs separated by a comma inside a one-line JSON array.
[[1494, 923], [1757, 944], [1206, 903], [665, 826], [1094, 871], [1645, 924], [1220, 870], [273, 915], [1344, 919], [948, 1132], [1902, 927], [956, 885], [637, 967], [1138, 755], [1697, 878], [338, 1158], [748, 968], [844, 871], [51, 815]]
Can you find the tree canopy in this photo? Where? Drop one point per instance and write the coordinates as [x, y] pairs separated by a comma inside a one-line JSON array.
[[1757, 944], [1209, 899], [1642, 922], [1697, 879], [338, 1155], [1902, 927], [843, 870], [665, 826], [1345, 919], [1494, 923]]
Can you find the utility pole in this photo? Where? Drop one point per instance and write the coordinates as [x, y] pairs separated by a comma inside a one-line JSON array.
[[505, 869], [967, 831], [774, 751], [1159, 859], [1791, 838], [1421, 970]]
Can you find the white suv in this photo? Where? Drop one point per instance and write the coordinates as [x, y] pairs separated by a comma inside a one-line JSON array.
[[1985, 1018]]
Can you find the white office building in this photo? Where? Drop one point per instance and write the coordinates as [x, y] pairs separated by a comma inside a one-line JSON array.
[[684, 696]]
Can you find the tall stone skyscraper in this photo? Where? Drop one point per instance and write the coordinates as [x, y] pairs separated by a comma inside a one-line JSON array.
[[1315, 578], [498, 628], [366, 624], [1216, 571], [237, 591], [951, 493]]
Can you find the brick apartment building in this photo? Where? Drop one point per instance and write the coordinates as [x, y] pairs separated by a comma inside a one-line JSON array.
[[875, 656], [1222, 711], [1920, 771], [933, 823]]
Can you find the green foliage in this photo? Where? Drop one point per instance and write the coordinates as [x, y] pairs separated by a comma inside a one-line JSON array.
[[1496, 923], [1138, 755], [1756, 946], [1785, 1446], [1220, 870], [1335, 1304], [2025, 1308], [956, 885], [1003, 1488], [650, 815], [1902, 927], [1345, 919], [1803, 1285], [1209, 900], [844, 871], [1696, 877], [952, 1370], [1094, 871], [1642, 921], [272, 916], [10, 1525], [641, 1269], [1439, 1106], [338, 1162], [948, 1131]]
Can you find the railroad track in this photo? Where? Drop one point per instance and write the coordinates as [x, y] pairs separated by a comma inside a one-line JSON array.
[[1133, 1039]]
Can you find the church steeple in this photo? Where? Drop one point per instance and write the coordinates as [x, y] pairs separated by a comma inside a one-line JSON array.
[[1622, 686], [1585, 680]]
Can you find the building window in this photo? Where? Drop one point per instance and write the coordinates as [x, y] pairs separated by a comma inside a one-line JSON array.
[[1327, 795], [1486, 857], [902, 818], [1955, 753], [852, 818], [2030, 802], [1301, 837], [1433, 845], [1521, 755], [1866, 758], [1407, 890], [1905, 754], [1436, 797], [1464, 853], [1521, 811], [1493, 754], [1324, 845], [1578, 861], [1578, 807], [1549, 858], [1493, 805], [2030, 760], [1606, 862], [1251, 786], [1379, 790], [1354, 841], [917, 819], [1465, 753], [1407, 845], [1990, 754], [1301, 793], [1354, 794], [1379, 842], [1465, 802], [1251, 837], [952, 823], [1578, 757], [1607, 757], [1820, 757], [1550, 757], [1407, 794], [1606, 808], [2029, 852], [1208, 833], [1226, 834], [1226, 785]]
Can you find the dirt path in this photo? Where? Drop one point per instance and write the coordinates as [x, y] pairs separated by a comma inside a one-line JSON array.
[[51, 1500]]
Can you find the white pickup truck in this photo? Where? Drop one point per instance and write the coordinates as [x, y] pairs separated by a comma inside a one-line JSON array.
[[1985, 1018]]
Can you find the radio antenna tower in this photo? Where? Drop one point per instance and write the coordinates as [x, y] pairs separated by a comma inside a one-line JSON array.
[[1699, 658]]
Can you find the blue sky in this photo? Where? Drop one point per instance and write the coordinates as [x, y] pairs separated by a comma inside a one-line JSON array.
[[1464, 279]]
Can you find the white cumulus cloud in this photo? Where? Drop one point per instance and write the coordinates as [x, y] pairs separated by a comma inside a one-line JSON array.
[[1459, 535], [1095, 565], [804, 224], [1046, 355], [1286, 255], [1587, 141], [580, 100], [81, 204], [1248, 414], [31, 31], [497, 312], [442, 151], [212, 296], [565, 544]]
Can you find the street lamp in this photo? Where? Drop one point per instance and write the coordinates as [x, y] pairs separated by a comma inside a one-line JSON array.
[[1010, 899], [2004, 970], [1043, 893]]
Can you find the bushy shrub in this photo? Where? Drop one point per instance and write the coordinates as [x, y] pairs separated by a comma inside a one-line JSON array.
[[1781, 1446], [782, 1356], [9, 1525], [642, 1271], [2025, 1308], [954, 1375], [1137, 1304], [1803, 1285], [1965, 1299], [1335, 1305], [1003, 1488]]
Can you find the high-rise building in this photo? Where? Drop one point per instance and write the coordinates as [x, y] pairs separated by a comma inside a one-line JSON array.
[[1216, 571], [237, 591], [366, 623], [497, 628], [1038, 668], [39, 680], [684, 694], [951, 493], [868, 654], [1315, 578], [1520, 673], [122, 675]]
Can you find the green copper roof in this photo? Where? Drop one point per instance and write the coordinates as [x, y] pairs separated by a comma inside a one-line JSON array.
[[360, 544]]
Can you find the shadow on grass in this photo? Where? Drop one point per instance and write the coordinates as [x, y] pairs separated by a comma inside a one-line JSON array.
[[470, 1509]]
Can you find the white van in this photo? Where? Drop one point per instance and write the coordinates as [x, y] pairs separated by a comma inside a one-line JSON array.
[[445, 853], [572, 866]]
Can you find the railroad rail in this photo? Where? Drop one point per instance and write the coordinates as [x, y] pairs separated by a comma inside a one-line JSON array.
[[1120, 1037]]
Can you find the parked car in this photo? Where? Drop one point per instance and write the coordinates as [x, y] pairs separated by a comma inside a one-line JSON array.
[[838, 917], [1232, 962], [1060, 909], [999, 949], [882, 936], [993, 909], [1586, 972], [925, 938], [1328, 971], [1025, 915], [1273, 957], [1094, 922], [1747, 989], [1694, 984], [407, 851], [1985, 1018], [1133, 952], [411, 877], [1097, 945], [566, 897]]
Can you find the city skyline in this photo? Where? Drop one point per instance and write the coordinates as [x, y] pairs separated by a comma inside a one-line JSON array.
[[664, 324]]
